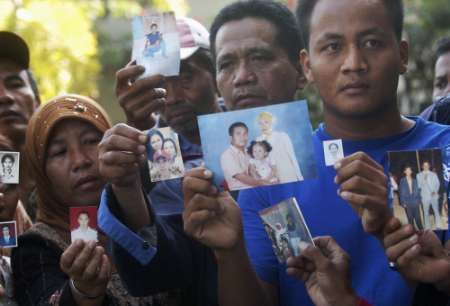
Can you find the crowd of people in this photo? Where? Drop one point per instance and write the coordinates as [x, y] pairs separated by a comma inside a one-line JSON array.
[[182, 241]]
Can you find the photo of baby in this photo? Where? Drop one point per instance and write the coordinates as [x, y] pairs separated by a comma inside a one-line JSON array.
[[262, 148], [164, 155], [156, 44]]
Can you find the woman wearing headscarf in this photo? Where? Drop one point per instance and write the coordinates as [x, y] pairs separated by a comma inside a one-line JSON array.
[[61, 151]]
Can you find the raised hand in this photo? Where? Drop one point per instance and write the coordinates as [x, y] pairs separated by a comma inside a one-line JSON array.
[[325, 270], [210, 217], [364, 186], [139, 99]]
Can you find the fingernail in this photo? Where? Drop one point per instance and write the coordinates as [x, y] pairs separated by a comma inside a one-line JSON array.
[[337, 165], [414, 239], [336, 179], [207, 173], [338, 191], [344, 195], [141, 68], [142, 138]]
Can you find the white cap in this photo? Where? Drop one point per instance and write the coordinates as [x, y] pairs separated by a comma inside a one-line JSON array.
[[193, 35]]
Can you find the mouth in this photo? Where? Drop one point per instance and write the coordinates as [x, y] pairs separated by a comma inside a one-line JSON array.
[[87, 183], [248, 101], [10, 115], [355, 88], [180, 117]]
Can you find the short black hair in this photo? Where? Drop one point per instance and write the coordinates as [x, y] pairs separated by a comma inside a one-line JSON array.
[[305, 9], [263, 143], [442, 46], [33, 85], [10, 156], [83, 212], [236, 125], [279, 15]]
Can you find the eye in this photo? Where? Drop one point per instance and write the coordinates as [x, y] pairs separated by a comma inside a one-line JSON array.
[[15, 82], [56, 152], [331, 47], [223, 65], [372, 43], [440, 83]]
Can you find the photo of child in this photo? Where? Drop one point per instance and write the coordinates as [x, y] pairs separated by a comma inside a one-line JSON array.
[[262, 147], [164, 157]]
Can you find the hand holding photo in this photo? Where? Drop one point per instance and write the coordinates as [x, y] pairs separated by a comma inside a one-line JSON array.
[[8, 237], [418, 188], [287, 229], [156, 44], [259, 146], [10, 167], [83, 223], [333, 151], [164, 155]]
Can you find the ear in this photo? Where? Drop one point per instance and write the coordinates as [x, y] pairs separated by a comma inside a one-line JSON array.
[[404, 56], [301, 78], [304, 61]]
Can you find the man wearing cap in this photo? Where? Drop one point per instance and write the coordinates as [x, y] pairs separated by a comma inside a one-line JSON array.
[[178, 100], [19, 98]]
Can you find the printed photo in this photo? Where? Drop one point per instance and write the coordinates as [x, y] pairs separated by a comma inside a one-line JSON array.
[[10, 167], [164, 155], [83, 223], [259, 146], [156, 44], [418, 189], [333, 151], [8, 237], [287, 229]]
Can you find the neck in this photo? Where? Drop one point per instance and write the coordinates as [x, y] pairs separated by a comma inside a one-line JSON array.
[[380, 125], [239, 148]]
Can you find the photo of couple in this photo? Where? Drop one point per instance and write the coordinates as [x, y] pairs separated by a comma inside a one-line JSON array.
[[164, 155], [418, 189], [266, 146]]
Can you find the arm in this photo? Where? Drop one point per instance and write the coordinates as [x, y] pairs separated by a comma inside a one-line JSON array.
[[248, 180], [214, 220]]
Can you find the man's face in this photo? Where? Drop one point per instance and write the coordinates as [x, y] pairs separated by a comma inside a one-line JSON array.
[[426, 166], [442, 76], [190, 94], [354, 57], [240, 137], [252, 69], [83, 220], [6, 231], [8, 164], [17, 100]]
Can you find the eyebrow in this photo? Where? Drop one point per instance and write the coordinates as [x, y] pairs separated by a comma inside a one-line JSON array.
[[336, 36]]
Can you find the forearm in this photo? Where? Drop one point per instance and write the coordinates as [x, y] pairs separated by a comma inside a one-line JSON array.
[[133, 206], [238, 282], [247, 179]]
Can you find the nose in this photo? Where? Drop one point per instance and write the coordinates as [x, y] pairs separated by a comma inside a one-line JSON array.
[[80, 159], [174, 92], [354, 61], [243, 75]]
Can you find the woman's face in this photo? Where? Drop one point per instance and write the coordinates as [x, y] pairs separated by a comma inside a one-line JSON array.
[[169, 148], [265, 124], [8, 164], [156, 142], [408, 171], [9, 197], [71, 163], [259, 152]]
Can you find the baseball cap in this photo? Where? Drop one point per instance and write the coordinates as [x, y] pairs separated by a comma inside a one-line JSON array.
[[193, 35], [13, 47]]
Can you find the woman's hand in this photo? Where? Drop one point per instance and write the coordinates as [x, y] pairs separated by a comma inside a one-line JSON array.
[[88, 266]]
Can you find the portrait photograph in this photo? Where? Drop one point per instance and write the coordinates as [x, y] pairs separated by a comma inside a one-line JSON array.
[[286, 228], [83, 223], [8, 237], [418, 189], [156, 44], [259, 146], [10, 167], [333, 151], [164, 155]]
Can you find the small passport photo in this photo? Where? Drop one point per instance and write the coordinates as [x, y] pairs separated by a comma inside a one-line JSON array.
[[418, 188], [8, 236], [164, 155], [286, 228], [9, 172], [259, 146], [156, 44], [83, 223]]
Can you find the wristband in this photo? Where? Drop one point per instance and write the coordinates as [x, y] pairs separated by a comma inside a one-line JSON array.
[[81, 294]]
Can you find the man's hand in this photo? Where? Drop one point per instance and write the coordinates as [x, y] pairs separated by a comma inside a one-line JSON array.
[[211, 217], [363, 185], [139, 99], [325, 270], [121, 152], [88, 266], [420, 257]]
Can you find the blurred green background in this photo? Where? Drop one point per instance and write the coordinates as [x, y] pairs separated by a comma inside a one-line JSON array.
[[78, 45]]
